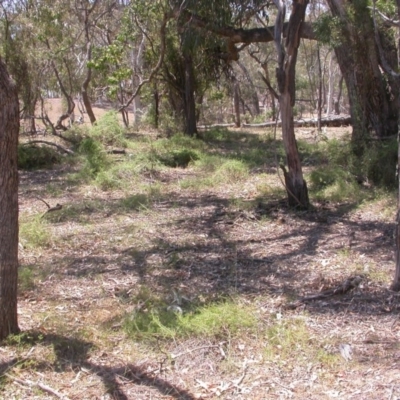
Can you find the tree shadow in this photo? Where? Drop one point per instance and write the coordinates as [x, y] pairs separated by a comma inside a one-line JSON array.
[[72, 353], [239, 253]]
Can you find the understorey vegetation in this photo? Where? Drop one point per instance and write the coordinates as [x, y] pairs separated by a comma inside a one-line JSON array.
[[182, 250]]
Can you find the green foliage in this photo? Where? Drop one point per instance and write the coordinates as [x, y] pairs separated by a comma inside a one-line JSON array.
[[329, 29], [95, 156], [232, 171], [26, 278], [156, 320], [339, 173], [379, 163], [136, 202], [178, 158], [291, 339], [108, 130], [178, 151], [217, 134], [34, 232], [32, 156]]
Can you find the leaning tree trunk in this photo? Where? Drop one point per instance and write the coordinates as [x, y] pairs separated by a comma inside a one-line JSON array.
[[9, 128], [295, 184]]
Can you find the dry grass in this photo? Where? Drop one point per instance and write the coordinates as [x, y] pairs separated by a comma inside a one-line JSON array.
[[156, 247]]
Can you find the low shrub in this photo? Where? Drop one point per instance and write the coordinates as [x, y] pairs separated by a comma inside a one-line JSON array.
[[32, 156]]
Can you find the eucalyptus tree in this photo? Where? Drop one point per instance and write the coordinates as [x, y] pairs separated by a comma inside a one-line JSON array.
[[371, 90], [286, 37]]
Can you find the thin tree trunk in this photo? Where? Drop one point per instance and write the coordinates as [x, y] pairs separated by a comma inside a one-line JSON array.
[[156, 97], [9, 128], [295, 184], [236, 101], [319, 104], [331, 81], [254, 96], [190, 104], [339, 96]]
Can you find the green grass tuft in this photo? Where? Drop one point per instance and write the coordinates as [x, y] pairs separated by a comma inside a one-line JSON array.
[[34, 232], [158, 321]]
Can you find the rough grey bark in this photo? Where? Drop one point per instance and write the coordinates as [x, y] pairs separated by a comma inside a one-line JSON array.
[[9, 128]]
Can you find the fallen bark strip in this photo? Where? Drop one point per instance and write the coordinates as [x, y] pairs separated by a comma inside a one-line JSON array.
[[342, 120], [61, 148], [346, 286]]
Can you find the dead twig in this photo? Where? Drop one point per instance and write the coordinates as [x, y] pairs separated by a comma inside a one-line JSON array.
[[40, 385]]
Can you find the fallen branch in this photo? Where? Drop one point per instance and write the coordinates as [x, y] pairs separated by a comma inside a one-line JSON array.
[[61, 148], [116, 151], [40, 385], [332, 121]]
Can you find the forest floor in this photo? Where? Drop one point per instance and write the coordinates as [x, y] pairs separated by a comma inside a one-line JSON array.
[[163, 242]]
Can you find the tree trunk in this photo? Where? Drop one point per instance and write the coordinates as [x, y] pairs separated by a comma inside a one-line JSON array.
[[9, 128], [396, 281], [371, 104], [236, 102], [339, 96], [156, 98], [254, 97], [295, 184], [189, 103]]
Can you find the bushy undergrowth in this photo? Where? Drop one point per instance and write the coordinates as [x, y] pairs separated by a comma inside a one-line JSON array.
[[109, 131], [34, 232], [339, 175], [32, 156], [96, 159]]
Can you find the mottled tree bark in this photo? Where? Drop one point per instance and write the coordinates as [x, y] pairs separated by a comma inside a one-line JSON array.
[[9, 128]]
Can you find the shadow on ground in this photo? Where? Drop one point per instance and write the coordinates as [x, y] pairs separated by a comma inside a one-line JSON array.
[[74, 354]]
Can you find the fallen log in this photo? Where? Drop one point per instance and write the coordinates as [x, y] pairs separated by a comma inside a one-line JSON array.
[[330, 121], [216, 126], [60, 148]]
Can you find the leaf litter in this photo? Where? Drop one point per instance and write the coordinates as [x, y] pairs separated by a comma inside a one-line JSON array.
[[341, 340]]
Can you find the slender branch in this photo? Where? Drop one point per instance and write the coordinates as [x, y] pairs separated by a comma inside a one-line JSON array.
[[240, 35], [156, 68]]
